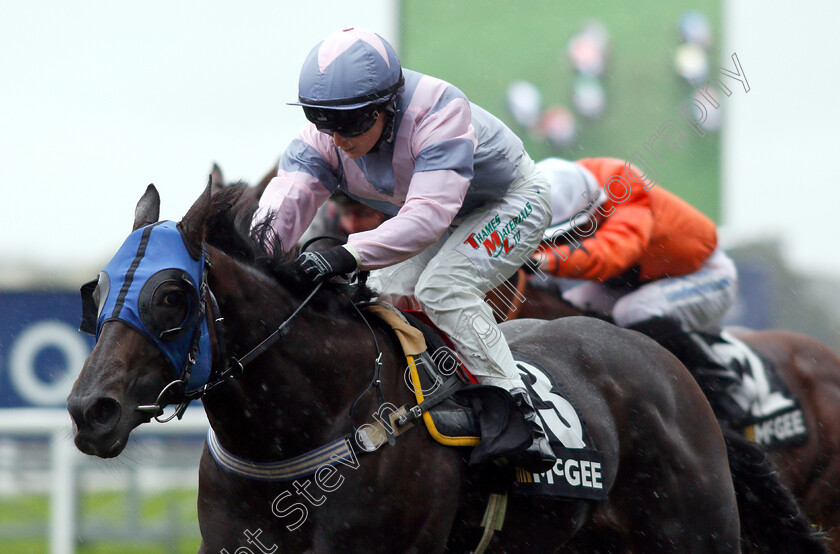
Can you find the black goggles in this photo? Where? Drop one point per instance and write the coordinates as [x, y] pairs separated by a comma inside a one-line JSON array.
[[347, 123]]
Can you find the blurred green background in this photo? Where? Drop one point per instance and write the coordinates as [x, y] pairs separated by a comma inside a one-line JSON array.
[[483, 46], [158, 523]]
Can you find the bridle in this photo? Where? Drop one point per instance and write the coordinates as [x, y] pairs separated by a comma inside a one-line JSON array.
[[232, 366]]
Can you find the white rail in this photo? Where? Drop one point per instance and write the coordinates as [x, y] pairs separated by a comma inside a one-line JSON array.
[[56, 424]]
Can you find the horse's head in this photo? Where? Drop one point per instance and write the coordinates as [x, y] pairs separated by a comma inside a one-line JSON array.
[[152, 339]]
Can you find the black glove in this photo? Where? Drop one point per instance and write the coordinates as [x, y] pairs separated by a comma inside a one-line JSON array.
[[321, 265]]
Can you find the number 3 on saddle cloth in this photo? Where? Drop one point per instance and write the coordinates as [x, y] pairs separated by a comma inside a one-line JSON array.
[[458, 412]]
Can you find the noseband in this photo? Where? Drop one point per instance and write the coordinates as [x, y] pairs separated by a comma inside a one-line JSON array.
[[233, 366]]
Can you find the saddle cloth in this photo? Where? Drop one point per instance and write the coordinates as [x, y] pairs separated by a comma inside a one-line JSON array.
[[779, 421], [469, 415]]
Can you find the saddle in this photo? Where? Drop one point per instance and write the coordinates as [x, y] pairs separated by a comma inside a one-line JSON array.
[[778, 418], [459, 412]]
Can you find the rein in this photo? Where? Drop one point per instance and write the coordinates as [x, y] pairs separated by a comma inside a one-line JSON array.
[[376, 381], [233, 366], [236, 366], [338, 449]]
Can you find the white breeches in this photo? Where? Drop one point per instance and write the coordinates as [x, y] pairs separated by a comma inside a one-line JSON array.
[[449, 279], [698, 300]]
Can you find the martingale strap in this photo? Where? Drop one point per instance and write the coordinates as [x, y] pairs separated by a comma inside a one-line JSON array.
[[336, 452]]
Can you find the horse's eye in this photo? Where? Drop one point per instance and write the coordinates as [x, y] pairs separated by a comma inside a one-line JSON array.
[[173, 299]]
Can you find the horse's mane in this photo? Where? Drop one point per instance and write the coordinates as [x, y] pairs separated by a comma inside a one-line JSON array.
[[229, 228]]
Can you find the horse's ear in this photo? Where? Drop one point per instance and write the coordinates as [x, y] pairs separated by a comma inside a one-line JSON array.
[[148, 208], [217, 181], [192, 225]]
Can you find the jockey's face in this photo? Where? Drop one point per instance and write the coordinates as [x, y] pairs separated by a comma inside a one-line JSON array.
[[358, 146]]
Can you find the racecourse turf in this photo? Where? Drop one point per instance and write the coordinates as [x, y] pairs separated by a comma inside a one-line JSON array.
[[169, 518]]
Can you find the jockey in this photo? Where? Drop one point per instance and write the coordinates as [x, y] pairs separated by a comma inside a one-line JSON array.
[[649, 259], [467, 204], [340, 217], [355, 217]]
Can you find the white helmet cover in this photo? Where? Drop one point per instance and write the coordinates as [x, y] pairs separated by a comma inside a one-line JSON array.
[[574, 190]]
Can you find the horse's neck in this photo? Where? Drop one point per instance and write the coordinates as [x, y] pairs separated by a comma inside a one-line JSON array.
[[542, 303], [296, 395]]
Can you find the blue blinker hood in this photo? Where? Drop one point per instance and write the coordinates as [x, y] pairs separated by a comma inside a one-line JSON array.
[[149, 257]]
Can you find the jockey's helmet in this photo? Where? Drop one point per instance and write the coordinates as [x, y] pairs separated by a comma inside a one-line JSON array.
[[574, 191], [345, 78]]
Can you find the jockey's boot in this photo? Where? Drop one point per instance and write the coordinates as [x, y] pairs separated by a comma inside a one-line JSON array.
[[538, 457], [721, 384]]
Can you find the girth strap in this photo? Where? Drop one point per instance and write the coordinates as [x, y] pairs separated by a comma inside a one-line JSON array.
[[493, 520]]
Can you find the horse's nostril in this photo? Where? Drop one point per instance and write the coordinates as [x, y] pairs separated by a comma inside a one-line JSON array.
[[74, 406], [103, 412]]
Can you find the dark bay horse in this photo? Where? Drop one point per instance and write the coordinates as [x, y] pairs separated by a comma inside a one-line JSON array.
[[668, 469], [808, 367]]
